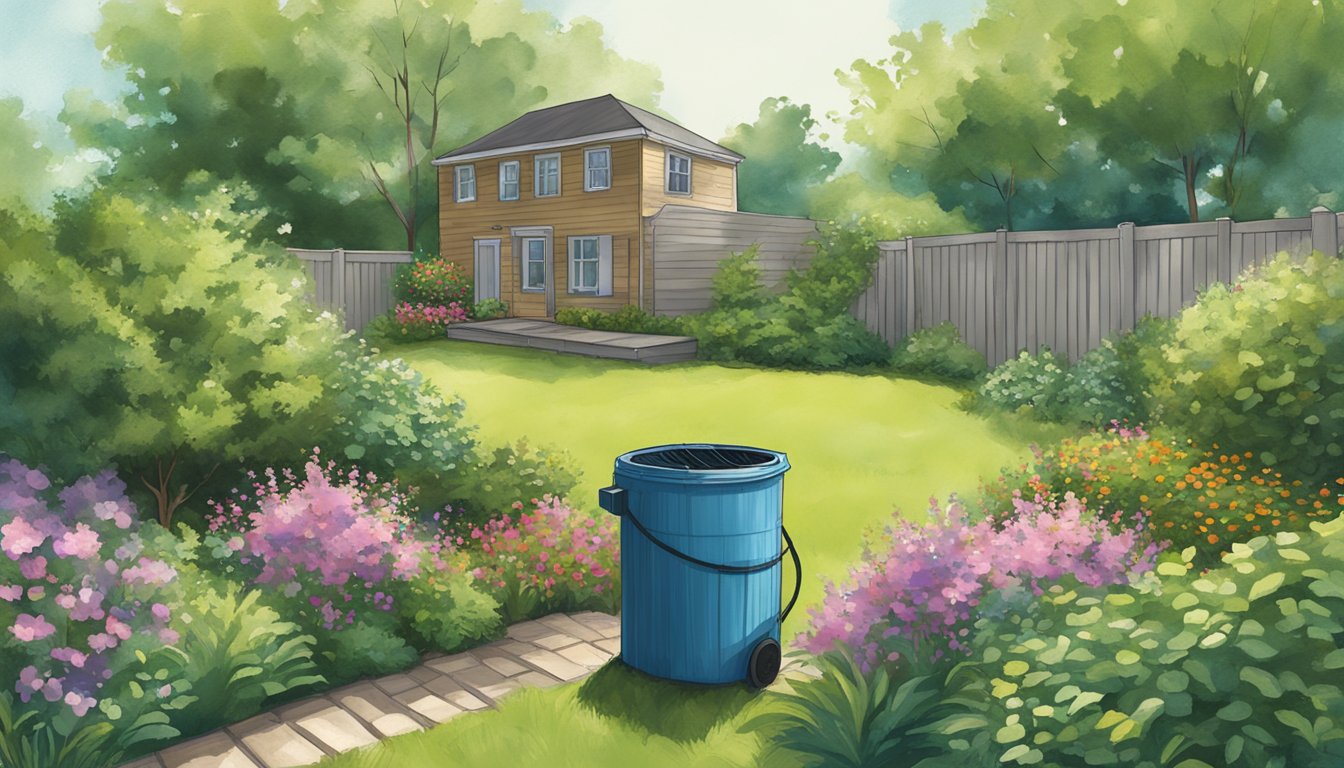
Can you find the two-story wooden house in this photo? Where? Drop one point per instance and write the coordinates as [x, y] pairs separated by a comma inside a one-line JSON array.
[[551, 210]]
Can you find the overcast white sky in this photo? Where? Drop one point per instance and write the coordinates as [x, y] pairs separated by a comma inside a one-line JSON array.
[[719, 58]]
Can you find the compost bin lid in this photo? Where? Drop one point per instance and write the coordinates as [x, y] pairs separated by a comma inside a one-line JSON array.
[[703, 462]]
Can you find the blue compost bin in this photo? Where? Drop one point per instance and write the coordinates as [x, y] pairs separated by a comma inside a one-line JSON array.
[[701, 561]]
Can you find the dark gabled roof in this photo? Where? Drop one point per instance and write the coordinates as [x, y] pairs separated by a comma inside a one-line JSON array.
[[580, 119]]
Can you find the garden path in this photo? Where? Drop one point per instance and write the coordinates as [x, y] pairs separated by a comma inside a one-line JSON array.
[[555, 649]]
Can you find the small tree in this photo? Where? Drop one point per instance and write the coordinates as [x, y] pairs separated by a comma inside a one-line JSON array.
[[153, 338]]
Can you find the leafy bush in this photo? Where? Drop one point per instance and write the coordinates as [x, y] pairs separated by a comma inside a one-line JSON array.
[[1261, 365], [628, 319], [236, 654], [1035, 382], [432, 281], [489, 309], [940, 352], [365, 649], [494, 480], [422, 322], [910, 600], [387, 418], [1205, 498], [808, 326], [152, 338], [444, 610], [847, 717], [550, 559], [1237, 666]]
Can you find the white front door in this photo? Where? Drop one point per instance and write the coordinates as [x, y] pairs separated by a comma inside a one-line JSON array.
[[487, 269]]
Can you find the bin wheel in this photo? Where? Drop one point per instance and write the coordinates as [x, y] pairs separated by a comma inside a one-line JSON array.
[[763, 665]]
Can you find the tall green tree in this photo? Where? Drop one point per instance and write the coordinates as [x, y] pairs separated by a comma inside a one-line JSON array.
[[287, 97], [783, 162]]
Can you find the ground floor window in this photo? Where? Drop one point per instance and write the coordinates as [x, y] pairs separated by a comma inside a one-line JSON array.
[[590, 264], [534, 264]]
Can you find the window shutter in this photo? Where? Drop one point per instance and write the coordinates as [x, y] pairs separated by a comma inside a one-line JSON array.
[[604, 265]]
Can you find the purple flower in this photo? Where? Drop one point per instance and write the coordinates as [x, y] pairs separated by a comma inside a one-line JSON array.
[[29, 628], [150, 572], [20, 538], [29, 683], [79, 703], [34, 567], [81, 543], [160, 611], [10, 592]]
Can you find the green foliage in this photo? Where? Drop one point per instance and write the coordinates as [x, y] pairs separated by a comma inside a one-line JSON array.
[[445, 612], [363, 649], [737, 283], [889, 213], [939, 352], [299, 114], [1237, 666], [496, 478], [433, 281], [489, 309], [389, 420], [236, 654], [1261, 365], [1028, 381], [847, 718], [627, 319], [782, 165], [147, 336], [26, 741], [808, 326]]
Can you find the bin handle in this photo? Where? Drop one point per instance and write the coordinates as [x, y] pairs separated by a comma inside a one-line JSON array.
[[788, 550]]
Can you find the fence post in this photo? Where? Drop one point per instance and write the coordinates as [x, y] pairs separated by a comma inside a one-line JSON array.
[[1224, 253], [912, 296], [1127, 309], [338, 280], [998, 338], [1324, 231]]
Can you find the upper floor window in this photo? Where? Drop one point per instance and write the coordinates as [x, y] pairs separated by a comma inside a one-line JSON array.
[[508, 180], [678, 173], [547, 175], [465, 176], [597, 169]]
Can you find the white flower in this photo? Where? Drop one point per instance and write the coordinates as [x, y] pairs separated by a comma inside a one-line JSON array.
[[284, 229]]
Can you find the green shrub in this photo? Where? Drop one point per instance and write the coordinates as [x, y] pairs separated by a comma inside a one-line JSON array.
[[495, 479], [808, 326], [389, 420], [939, 352], [1237, 666], [445, 611], [628, 319], [1261, 365], [432, 281], [847, 718], [489, 309], [1035, 382], [363, 649]]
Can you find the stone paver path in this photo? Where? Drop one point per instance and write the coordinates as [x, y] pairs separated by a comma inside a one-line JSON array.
[[556, 649]]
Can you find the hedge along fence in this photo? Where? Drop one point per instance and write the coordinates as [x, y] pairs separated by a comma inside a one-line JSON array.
[[1008, 291], [357, 283]]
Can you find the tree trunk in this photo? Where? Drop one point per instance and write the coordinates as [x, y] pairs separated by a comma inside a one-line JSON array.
[[162, 490], [1190, 169]]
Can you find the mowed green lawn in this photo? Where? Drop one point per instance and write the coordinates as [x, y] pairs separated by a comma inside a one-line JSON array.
[[859, 446]]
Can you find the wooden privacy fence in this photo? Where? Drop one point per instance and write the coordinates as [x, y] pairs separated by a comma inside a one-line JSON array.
[[1009, 291], [357, 283]]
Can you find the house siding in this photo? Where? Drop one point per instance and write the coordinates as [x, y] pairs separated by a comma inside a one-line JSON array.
[[573, 212], [713, 183]]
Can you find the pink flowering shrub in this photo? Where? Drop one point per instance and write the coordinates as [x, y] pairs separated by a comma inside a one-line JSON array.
[[334, 542], [427, 321], [547, 559], [915, 602], [82, 610]]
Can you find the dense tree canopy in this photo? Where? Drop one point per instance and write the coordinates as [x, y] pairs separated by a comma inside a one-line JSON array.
[[316, 104], [782, 160]]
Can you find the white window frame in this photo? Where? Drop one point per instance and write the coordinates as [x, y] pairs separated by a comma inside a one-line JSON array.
[[517, 179], [575, 246], [460, 179], [536, 174], [523, 244], [588, 169], [668, 173]]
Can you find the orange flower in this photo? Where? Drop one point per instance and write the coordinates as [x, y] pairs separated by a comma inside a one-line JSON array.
[[1213, 538], [1325, 491]]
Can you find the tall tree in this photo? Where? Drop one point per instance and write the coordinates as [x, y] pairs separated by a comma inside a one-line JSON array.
[[782, 162], [286, 97]]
